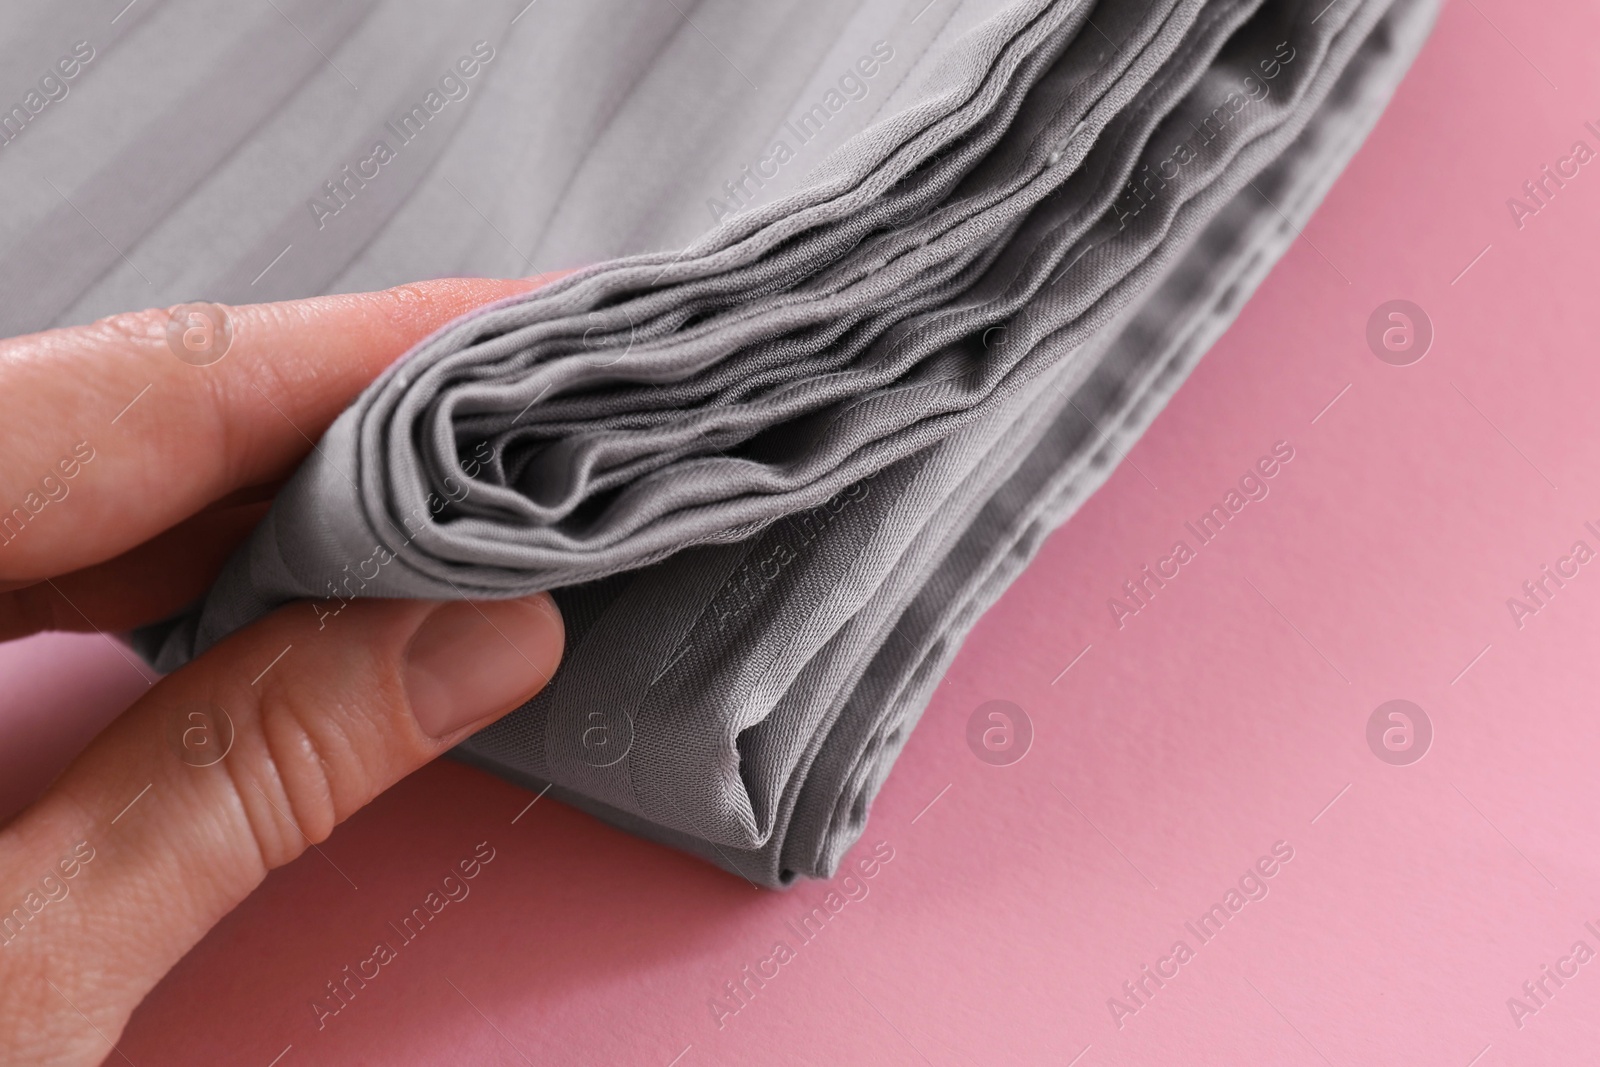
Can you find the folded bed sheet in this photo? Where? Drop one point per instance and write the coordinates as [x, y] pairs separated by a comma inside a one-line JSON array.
[[777, 473]]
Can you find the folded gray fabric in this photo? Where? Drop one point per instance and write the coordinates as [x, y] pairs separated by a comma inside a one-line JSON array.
[[825, 747], [777, 472]]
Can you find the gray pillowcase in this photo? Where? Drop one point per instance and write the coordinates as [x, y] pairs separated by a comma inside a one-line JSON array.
[[809, 759], [776, 475]]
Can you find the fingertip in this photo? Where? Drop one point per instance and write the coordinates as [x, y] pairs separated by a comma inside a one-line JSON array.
[[470, 662]]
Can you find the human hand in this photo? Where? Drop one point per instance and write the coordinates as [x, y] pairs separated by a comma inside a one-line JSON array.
[[127, 476]]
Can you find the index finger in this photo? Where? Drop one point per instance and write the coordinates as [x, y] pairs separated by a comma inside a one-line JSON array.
[[113, 432]]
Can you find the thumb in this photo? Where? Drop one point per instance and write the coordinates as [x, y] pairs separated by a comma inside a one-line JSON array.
[[228, 768]]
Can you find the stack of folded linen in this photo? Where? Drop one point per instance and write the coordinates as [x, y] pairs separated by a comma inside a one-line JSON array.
[[775, 476]]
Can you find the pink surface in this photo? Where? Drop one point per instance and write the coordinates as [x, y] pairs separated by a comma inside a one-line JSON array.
[[1228, 715]]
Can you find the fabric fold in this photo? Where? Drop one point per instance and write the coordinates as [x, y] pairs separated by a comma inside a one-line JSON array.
[[776, 476]]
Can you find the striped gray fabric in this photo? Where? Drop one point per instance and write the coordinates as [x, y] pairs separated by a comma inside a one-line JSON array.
[[882, 317]]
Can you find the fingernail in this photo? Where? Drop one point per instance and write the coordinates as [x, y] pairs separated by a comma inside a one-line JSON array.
[[475, 660]]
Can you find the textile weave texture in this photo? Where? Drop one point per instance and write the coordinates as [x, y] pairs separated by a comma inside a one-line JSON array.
[[776, 472]]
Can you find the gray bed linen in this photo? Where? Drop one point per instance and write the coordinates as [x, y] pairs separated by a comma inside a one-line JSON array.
[[839, 366], [776, 474], [183, 157], [831, 738]]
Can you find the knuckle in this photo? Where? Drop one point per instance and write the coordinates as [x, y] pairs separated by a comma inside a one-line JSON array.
[[273, 795], [131, 329], [407, 308], [310, 755]]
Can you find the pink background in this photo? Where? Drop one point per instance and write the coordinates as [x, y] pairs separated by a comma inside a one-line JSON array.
[[1174, 752]]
